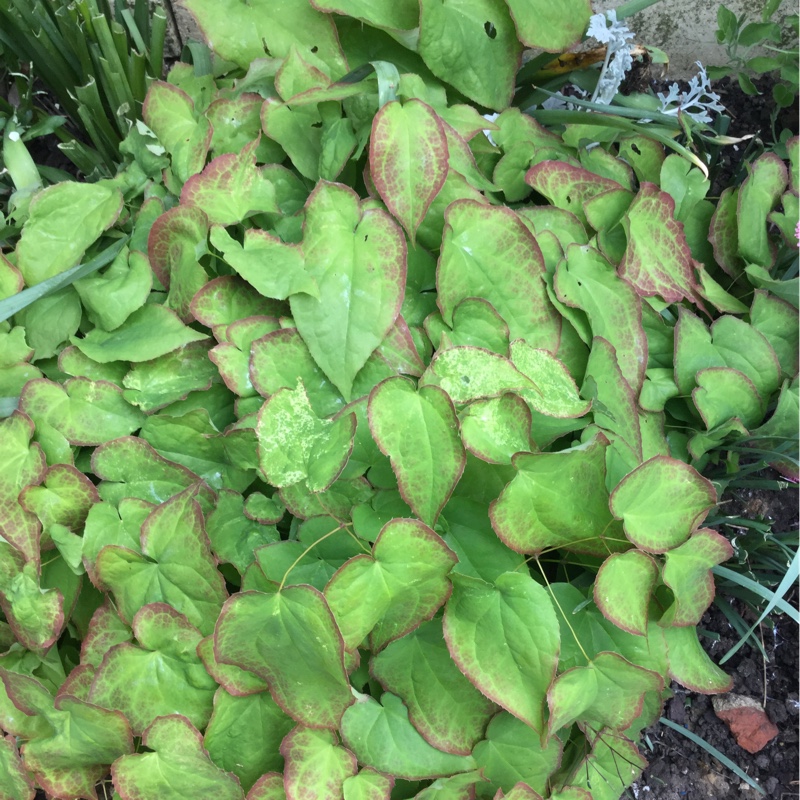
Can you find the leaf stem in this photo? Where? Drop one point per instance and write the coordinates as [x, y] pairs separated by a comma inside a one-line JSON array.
[[555, 600]]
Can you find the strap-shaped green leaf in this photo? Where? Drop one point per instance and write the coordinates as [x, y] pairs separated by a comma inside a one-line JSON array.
[[418, 430], [480, 619], [290, 640]]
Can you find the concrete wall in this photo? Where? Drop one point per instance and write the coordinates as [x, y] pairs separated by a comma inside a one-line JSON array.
[[683, 28]]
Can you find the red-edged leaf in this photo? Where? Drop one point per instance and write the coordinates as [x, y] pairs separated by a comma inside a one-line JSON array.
[[408, 160], [657, 260]]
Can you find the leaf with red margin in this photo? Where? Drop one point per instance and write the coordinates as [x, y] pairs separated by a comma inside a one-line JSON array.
[[177, 240], [231, 188], [723, 394], [228, 299], [513, 752], [24, 465], [63, 498], [462, 160], [357, 256], [495, 430], [106, 524], [604, 773], [244, 735], [623, 587], [690, 665], [467, 374], [568, 186], [723, 233], [488, 252], [84, 412], [608, 692], [475, 324], [11, 280], [289, 639], [418, 430], [399, 349], [449, 712], [129, 467], [519, 791], [160, 675], [281, 360], [457, 787], [176, 565], [385, 14], [777, 321], [657, 260], [661, 503], [316, 765], [15, 782], [382, 737], [151, 331], [105, 630], [389, 593], [177, 758], [615, 408], [273, 268], [688, 573], [236, 681], [556, 394], [236, 121], [151, 385], [368, 785], [408, 158], [82, 741], [758, 195], [268, 787], [557, 500], [36, 615], [480, 619], [232, 357], [169, 112], [744, 348], [295, 445]]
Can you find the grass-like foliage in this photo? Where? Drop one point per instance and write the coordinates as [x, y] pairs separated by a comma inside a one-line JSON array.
[[351, 452]]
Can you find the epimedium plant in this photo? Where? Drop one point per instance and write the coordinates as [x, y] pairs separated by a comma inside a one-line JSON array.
[[352, 453]]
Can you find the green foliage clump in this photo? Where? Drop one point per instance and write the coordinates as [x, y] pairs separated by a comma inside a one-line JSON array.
[[353, 441]]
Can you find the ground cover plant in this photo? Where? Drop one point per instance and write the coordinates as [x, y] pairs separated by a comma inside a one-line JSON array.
[[354, 440]]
